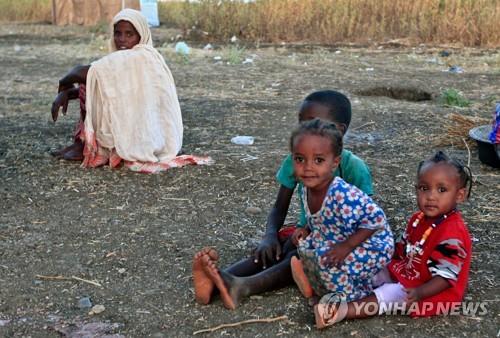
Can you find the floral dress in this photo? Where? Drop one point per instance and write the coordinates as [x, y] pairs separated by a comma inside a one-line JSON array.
[[345, 210]]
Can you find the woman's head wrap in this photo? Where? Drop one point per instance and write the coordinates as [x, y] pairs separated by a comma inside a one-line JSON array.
[[138, 20]]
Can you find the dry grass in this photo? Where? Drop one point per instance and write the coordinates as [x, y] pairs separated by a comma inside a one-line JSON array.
[[464, 22], [457, 131], [467, 22], [25, 10]]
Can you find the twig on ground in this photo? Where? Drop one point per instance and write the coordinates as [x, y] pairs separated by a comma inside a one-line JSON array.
[[52, 277], [489, 208], [86, 281], [244, 322], [175, 199], [468, 152], [62, 278], [363, 125]]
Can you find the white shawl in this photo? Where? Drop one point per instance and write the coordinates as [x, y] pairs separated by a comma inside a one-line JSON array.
[[131, 102]]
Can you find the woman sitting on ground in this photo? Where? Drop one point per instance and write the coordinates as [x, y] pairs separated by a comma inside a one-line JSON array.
[[128, 102]]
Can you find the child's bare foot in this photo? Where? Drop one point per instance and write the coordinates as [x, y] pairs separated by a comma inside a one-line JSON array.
[[203, 285], [328, 311], [300, 278], [230, 288]]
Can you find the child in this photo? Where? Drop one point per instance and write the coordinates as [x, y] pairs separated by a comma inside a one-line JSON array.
[[129, 105], [348, 239], [430, 267], [269, 268]]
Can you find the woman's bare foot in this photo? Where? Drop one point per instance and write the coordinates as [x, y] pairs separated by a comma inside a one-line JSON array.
[[230, 288], [60, 153], [74, 152], [203, 285], [300, 278]]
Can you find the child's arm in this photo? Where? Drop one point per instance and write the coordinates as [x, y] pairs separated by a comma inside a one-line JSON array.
[[436, 285], [339, 252], [445, 264], [269, 248]]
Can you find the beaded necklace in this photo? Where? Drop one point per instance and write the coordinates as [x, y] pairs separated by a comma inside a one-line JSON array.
[[417, 247]]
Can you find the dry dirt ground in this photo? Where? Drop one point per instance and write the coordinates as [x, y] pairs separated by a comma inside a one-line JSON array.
[[135, 234]]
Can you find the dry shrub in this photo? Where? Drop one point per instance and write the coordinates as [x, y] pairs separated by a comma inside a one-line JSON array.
[[457, 130], [25, 10], [468, 22]]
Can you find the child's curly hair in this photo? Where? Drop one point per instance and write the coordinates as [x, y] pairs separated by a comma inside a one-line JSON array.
[[320, 128], [464, 172]]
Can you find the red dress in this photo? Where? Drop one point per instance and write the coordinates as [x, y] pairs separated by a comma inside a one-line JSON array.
[[446, 252]]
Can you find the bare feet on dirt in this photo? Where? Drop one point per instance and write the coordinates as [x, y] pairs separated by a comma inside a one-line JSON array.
[[203, 285], [73, 152], [329, 311], [229, 288], [300, 278]]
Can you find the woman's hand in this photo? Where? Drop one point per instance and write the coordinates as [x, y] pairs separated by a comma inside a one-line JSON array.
[[62, 100], [299, 234], [336, 255], [268, 250]]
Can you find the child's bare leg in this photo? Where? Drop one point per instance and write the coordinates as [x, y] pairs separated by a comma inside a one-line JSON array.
[[247, 266], [203, 285], [300, 278], [327, 314], [232, 288], [243, 268]]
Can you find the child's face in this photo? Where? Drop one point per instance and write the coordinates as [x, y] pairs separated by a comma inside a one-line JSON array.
[[314, 160], [438, 189], [311, 110], [125, 35]]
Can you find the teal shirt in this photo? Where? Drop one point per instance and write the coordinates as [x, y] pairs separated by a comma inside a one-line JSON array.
[[352, 169]]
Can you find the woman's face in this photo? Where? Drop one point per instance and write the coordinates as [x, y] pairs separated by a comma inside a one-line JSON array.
[[125, 35]]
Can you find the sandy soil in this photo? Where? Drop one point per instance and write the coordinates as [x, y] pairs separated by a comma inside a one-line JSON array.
[[136, 234]]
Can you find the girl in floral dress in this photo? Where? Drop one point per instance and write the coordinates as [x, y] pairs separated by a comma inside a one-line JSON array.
[[347, 239], [429, 271]]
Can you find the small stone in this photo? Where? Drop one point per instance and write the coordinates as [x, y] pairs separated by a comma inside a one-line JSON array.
[[253, 210], [85, 303], [122, 271], [4, 322], [96, 309]]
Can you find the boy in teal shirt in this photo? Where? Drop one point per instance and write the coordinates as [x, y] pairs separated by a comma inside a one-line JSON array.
[[252, 275]]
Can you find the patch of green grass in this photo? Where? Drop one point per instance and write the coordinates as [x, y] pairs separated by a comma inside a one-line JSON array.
[[234, 55], [452, 97]]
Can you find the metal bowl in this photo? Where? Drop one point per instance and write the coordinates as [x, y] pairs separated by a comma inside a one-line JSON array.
[[489, 153]]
